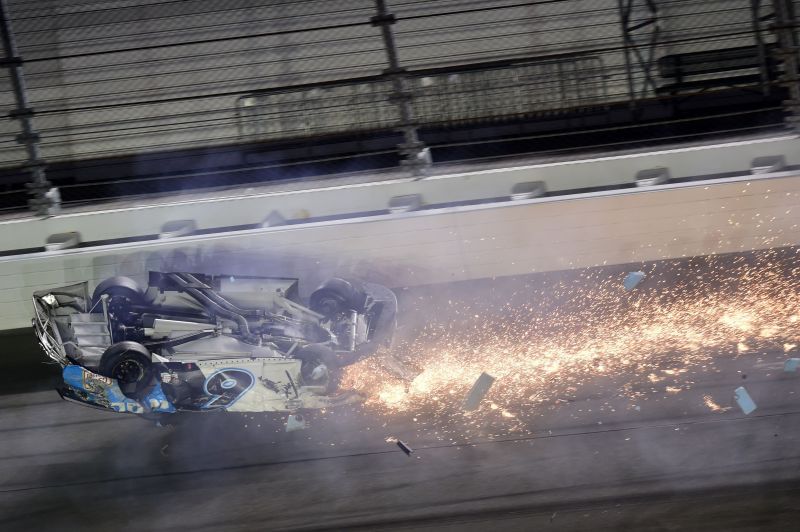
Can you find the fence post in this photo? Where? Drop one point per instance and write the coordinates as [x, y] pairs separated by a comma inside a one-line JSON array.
[[45, 200], [632, 47], [784, 28], [763, 60], [416, 156]]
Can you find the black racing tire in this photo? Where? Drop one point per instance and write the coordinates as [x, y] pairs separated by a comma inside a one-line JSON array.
[[311, 356], [123, 294], [130, 364], [119, 286], [338, 295]]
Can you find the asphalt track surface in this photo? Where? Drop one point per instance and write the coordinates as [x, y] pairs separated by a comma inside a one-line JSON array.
[[672, 464]]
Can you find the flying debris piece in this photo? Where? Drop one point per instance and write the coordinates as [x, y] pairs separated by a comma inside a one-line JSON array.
[[404, 447], [296, 422], [632, 280], [791, 365], [479, 389], [744, 400]]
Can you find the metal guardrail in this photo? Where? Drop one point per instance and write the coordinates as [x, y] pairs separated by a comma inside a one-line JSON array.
[[439, 99]]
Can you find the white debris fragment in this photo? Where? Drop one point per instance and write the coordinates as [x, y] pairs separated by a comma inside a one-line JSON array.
[[478, 391], [791, 365], [632, 280], [744, 400], [296, 422]]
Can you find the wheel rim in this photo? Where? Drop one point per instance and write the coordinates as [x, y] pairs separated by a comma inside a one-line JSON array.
[[128, 371], [118, 307]]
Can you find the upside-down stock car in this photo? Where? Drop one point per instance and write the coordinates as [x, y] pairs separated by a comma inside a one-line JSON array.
[[193, 342]]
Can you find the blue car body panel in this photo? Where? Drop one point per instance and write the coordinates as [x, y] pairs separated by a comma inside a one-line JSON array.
[[105, 392]]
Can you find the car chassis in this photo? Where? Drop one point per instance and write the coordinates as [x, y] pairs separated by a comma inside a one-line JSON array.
[[195, 342]]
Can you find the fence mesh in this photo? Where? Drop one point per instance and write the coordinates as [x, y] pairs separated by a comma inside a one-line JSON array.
[[132, 79]]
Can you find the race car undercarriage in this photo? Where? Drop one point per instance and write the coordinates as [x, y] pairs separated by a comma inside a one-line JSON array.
[[193, 342]]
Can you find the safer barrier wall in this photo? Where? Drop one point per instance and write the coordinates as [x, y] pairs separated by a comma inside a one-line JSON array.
[[452, 244], [137, 218]]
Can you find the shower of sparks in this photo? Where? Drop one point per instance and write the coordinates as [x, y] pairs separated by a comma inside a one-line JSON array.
[[714, 407], [547, 341]]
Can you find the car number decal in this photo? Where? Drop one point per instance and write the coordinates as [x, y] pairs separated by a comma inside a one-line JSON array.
[[226, 386]]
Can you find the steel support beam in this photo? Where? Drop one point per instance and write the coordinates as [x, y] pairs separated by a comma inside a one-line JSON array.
[[785, 27], [639, 39], [416, 155], [757, 20], [45, 199]]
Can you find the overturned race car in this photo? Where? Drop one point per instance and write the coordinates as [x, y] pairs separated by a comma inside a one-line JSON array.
[[193, 342]]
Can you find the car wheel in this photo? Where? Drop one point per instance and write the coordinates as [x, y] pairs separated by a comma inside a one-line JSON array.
[[117, 287], [336, 296], [130, 364], [123, 293]]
